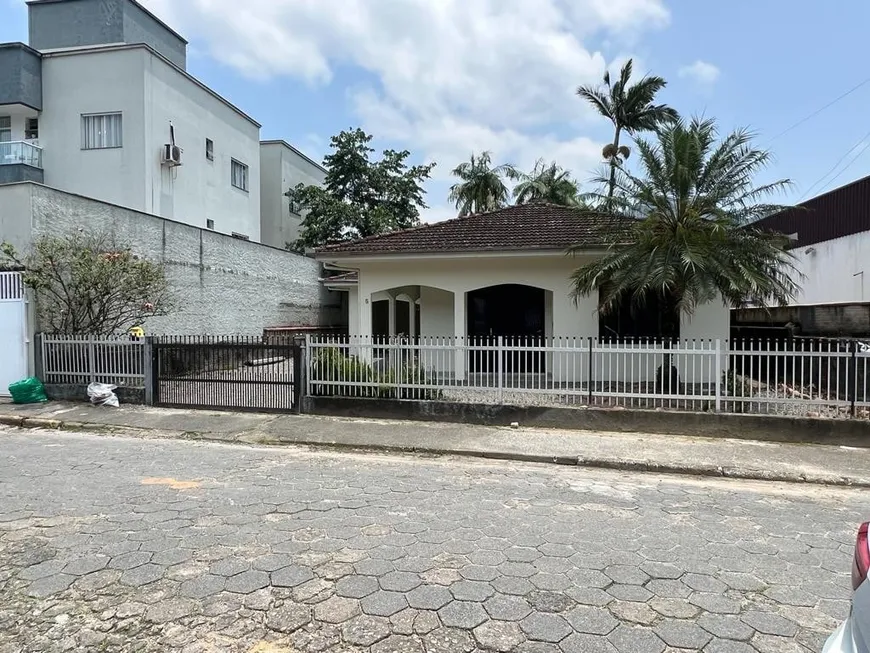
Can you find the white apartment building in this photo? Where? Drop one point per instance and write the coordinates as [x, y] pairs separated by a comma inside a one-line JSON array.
[[283, 167], [100, 104]]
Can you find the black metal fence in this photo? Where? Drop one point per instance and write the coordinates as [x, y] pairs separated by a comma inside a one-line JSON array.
[[238, 372]]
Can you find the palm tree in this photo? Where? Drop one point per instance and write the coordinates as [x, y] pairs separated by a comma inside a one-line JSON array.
[[481, 187], [687, 235], [630, 109], [547, 182]]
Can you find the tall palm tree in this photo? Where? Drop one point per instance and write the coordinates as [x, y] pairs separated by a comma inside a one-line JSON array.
[[688, 236], [481, 187], [548, 182], [630, 108]]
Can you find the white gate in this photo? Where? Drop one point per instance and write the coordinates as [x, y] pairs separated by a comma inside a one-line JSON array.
[[13, 337]]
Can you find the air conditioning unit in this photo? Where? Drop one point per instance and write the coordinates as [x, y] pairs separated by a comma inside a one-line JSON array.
[[172, 155]]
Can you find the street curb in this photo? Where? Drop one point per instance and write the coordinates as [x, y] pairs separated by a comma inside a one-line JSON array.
[[592, 463], [569, 461]]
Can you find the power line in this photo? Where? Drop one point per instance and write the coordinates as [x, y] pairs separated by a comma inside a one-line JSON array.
[[835, 166], [848, 165], [818, 111]]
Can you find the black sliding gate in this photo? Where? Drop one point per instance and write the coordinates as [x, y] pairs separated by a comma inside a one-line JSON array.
[[242, 373]]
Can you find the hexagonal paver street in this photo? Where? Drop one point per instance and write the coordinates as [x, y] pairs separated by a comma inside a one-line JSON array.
[[156, 545]]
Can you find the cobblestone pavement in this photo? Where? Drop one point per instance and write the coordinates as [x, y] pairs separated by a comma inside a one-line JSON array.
[[112, 544]]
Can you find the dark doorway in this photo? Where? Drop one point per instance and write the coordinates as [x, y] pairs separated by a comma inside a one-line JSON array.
[[403, 318], [381, 318], [515, 312]]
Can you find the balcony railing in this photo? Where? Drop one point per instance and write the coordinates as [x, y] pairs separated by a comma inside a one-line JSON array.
[[15, 152]]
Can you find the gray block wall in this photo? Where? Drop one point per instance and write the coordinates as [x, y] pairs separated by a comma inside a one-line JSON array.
[[222, 285], [141, 27], [15, 172], [72, 23], [20, 75]]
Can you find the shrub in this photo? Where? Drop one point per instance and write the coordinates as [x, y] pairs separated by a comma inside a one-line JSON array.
[[347, 371]]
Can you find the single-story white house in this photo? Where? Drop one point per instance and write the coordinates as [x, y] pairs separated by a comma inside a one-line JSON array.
[[503, 273]]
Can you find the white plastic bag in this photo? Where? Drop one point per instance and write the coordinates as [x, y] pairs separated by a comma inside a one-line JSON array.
[[101, 394]]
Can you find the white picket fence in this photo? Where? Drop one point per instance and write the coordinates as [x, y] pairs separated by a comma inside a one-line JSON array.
[[83, 359], [817, 377]]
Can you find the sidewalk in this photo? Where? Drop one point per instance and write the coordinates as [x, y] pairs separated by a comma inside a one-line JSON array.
[[829, 465]]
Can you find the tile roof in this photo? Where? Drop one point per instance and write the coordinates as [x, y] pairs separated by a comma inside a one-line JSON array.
[[537, 226]]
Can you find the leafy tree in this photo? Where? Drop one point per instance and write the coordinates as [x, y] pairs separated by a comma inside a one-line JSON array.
[[360, 197], [481, 187], [630, 108], [90, 282], [688, 236], [547, 182]]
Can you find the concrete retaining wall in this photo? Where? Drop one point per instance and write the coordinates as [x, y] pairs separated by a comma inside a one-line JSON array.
[[79, 392], [855, 433]]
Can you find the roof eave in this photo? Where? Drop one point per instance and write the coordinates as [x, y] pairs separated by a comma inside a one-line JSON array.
[[477, 253]]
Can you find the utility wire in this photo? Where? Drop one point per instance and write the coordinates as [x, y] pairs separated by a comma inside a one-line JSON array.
[[835, 166], [818, 111], [848, 165]]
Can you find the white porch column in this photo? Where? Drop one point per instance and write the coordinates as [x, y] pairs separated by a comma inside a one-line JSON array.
[[364, 336], [412, 318], [391, 315], [459, 326]]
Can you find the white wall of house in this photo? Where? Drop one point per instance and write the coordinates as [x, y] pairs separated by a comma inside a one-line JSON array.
[[282, 167], [837, 271], [444, 283], [149, 92], [436, 312], [460, 275]]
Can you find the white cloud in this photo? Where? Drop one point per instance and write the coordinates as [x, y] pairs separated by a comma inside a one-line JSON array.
[[440, 77], [701, 71]]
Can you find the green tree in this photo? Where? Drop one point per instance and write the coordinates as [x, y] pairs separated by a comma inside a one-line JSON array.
[[546, 182], [90, 282], [481, 187], [687, 233], [630, 108], [360, 197]]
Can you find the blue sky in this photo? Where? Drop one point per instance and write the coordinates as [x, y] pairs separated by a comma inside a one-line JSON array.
[[445, 77]]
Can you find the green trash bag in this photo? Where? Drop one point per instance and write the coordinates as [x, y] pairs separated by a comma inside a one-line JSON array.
[[28, 391]]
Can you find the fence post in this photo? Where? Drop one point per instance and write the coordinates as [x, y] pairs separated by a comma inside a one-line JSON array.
[[148, 369], [718, 373], [500, 368], [39, 357], [154, 366], [92, 359], [589, 378], [853, 373], [300, 369]]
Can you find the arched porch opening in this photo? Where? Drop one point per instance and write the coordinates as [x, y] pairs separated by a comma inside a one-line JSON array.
[[517, 315]]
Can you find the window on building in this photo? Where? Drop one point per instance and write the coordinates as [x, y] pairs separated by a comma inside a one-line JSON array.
[[209, 224], [239, 175], [102, 131], [209, 149], [657, 317], [5, 129], [31, 129]]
